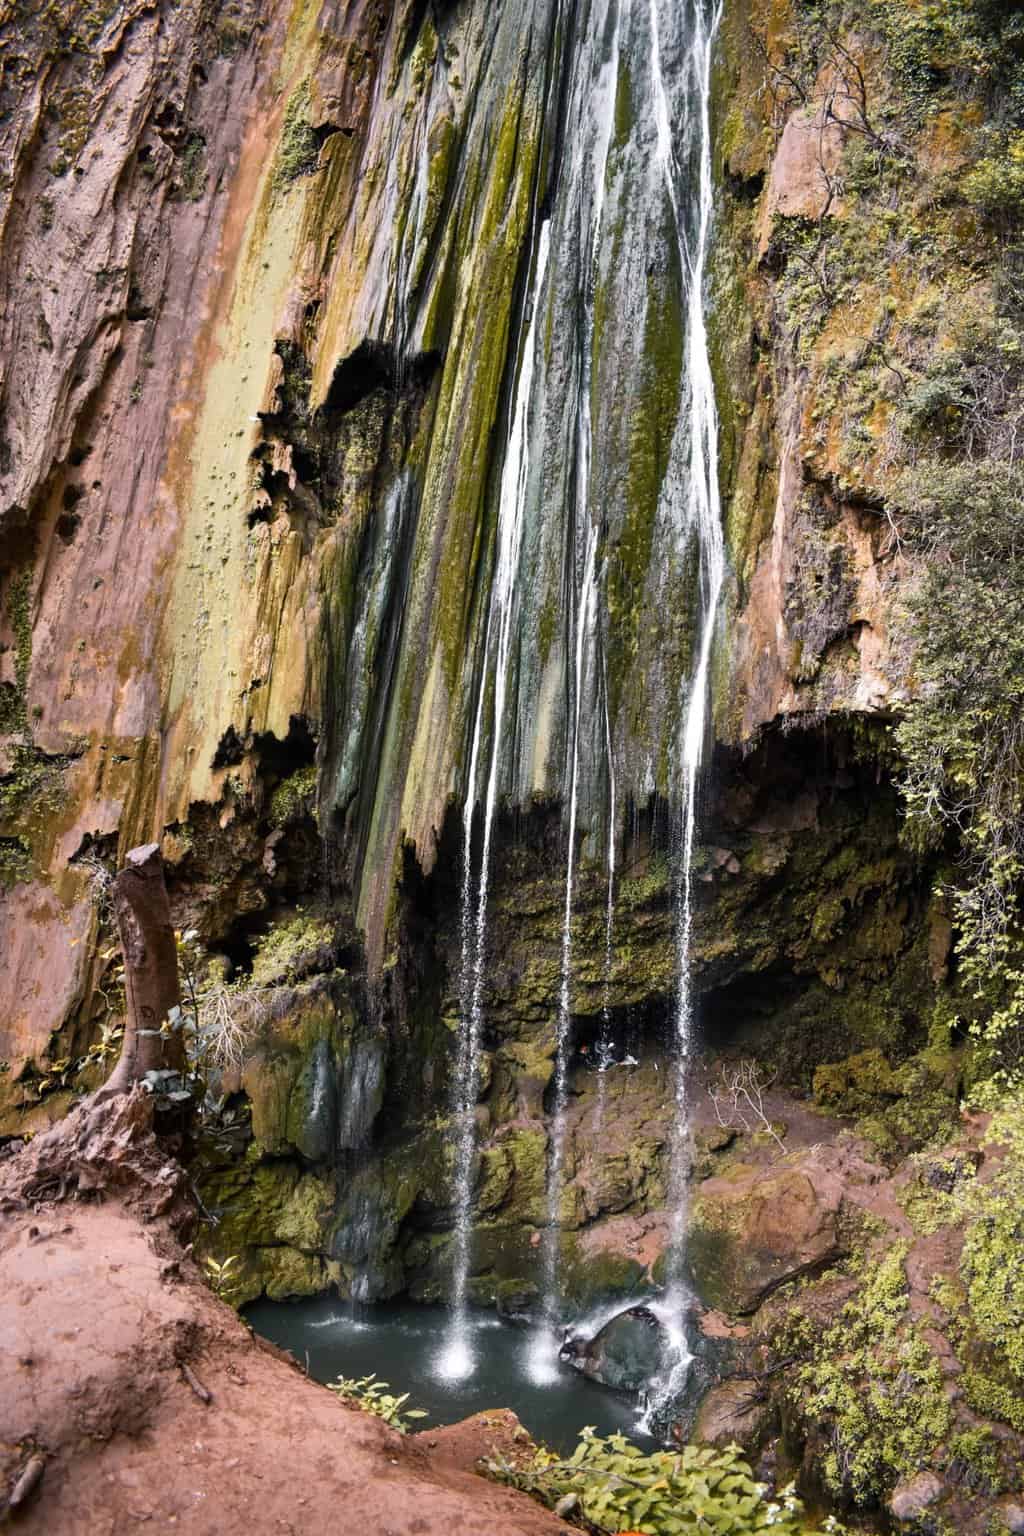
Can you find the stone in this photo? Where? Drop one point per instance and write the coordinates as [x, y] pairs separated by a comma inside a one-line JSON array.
[[625, 1355], [1011, 1513], [737, 1412], [313, 1105], [287, 1272], [754, 1229], [911, 1499]]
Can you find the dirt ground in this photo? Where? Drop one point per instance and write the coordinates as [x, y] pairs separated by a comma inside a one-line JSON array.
[[109, 1341]]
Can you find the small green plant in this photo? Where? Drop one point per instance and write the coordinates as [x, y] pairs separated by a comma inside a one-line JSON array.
[[875, 1387], [376, 1397], [611, 1485], [219, 1274], [192, 173]]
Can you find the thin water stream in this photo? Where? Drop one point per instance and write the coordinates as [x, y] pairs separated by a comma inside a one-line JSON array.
[[458, 1355], [705, 518]]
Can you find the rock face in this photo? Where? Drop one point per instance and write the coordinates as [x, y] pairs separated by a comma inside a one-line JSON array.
[[266, 280], [738, 1412], [750, 1234], [263, 307], [910, 1501]]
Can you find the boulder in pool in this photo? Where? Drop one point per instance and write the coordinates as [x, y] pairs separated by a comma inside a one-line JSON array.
[[626, 1354]]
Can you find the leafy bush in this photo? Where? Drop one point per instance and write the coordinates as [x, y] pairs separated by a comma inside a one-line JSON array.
[[996, 184], [376, 1397], [613, 1486], [877, 1387], [963, 739]]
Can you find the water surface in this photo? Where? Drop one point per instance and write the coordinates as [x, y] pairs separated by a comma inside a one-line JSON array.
[[404, 1345]]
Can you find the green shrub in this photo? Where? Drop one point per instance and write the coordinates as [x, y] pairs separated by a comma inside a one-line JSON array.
[[996, 184], [610, 1485], [376, 1397], [876, 1387], [961, 738]]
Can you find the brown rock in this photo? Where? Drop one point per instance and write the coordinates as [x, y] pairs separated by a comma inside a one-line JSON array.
[[805, 162], [737, 1412], [910, 1500], [754, 1229], [1011, 1513]]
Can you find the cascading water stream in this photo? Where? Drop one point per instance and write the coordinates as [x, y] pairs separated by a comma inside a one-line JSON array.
[[544, 1354], [605, 1043], [632, 181], [599, 102], [705, 520], [457, 1357], [705, 517]]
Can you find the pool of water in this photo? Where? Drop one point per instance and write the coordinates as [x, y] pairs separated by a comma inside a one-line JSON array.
[[405, 1345]]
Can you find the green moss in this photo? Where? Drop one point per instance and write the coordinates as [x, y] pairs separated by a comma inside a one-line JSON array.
[[287, 1273], [295, 948], [192, 172], [18, 615], [625, 112], [589, 1278], [851, 1085], [294, 797], [994, 1399], [424, 55], [974, 1457], [273, 1220], [299, 150], [15, 861], [34, 787], [653, 412], [993, 1253], [473, 386], [876, 1385]]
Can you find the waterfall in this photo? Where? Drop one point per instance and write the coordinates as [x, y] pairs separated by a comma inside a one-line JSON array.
[[705, 517], [544, 1354], [620, 260], [605, 1043], [595, 102], [457, 1359]]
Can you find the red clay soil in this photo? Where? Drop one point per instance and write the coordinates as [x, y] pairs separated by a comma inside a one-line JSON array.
[[110, 1339]]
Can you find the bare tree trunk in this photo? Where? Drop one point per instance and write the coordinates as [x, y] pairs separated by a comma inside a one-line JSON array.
[[153, 1040]]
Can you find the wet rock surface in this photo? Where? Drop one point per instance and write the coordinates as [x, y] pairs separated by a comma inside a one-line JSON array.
[[626, 1354]]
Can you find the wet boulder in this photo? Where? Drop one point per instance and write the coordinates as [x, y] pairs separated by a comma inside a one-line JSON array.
[[736, 1412], [626, 1354]]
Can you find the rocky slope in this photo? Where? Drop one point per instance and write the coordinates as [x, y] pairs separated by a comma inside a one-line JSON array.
[[159, 1406]]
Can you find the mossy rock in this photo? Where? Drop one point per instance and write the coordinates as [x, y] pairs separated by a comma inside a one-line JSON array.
[[288, 1273], [753, 1229], [307, 1064], [304, 944], [267, 1208], [851, 1086], [898, 1109], [525, 1201], [588, 1277]]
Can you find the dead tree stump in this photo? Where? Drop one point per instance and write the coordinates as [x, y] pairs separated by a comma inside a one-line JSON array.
[[153, 1040]]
